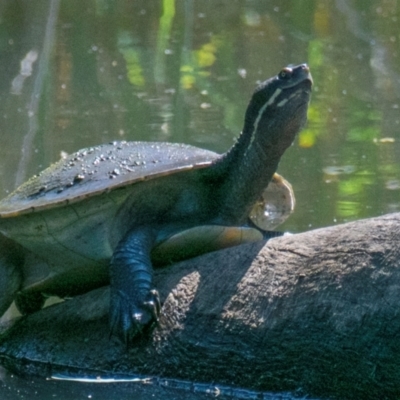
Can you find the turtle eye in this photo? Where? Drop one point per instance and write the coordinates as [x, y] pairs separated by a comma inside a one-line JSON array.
[[286, 73]]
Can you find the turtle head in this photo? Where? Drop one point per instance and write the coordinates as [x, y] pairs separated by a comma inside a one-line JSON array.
[[276, 112], [278, 108]]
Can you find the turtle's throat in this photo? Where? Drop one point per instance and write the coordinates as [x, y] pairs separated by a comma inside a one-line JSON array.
[[250, 165]]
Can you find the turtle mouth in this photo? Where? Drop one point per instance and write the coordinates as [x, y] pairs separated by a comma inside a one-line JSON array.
[[302, 98], [301, 95]]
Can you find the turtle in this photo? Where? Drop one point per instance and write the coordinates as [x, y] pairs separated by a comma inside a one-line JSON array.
[[110, 213]]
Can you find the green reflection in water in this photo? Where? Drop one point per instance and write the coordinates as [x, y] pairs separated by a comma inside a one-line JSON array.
[[355, 186], [163, 39], [309, 135], [316, 53], [198, 61], [132, 59]]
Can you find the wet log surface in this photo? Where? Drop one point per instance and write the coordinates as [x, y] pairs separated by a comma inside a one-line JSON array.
[[315, 313]]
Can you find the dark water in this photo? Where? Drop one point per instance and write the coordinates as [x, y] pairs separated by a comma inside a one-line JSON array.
[[102, 70]]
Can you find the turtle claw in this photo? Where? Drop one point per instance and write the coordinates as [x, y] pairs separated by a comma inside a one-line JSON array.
[[131, 318]]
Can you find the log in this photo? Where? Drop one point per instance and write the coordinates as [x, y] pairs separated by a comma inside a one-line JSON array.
[[315, 314]]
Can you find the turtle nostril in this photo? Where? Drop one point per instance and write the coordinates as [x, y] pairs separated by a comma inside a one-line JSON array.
[[305, 67]]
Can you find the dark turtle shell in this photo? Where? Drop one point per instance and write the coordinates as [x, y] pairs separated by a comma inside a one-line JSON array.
[[96, 170]]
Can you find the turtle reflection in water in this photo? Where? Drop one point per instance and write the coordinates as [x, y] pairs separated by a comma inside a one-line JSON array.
[[72, 228]]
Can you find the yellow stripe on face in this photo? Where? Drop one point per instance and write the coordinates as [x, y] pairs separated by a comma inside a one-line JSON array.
[[271, 100], [284, 101], [263, 108]]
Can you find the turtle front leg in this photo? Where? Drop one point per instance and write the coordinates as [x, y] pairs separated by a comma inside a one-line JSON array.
[[135, 304]]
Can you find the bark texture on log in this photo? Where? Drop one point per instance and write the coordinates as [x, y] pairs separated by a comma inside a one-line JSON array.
[[315, 313]]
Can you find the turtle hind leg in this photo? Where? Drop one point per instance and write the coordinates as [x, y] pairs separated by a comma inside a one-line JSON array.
[[28, 303], [11, 260]]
